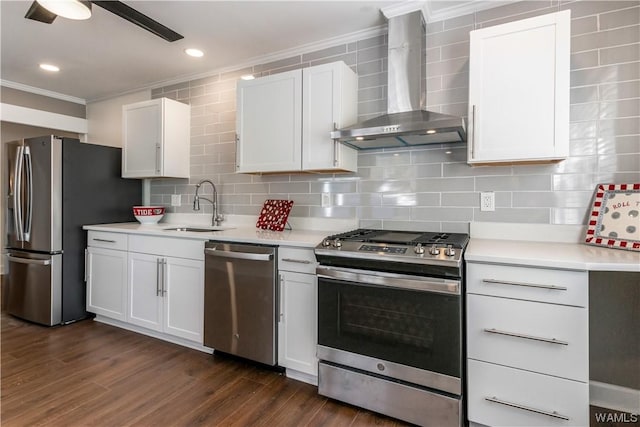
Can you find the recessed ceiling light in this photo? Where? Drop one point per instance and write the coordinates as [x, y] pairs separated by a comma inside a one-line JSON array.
[[248, 77], [430, 131], [49, 67], [70, 9], [196, 53], [359, 138]]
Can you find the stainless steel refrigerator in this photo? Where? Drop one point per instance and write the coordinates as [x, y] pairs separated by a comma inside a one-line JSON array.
[[55, 186]]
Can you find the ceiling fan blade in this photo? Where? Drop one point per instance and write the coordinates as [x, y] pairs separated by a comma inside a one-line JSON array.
[[39, 13], [141, 20]]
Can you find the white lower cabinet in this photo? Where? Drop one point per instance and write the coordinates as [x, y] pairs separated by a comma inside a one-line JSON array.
[[297, 325], [106, 276], [155, 283], [527, 346], [166, 293], [504, 396]]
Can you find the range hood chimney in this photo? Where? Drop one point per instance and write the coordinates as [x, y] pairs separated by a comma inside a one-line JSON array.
[[406, 123]]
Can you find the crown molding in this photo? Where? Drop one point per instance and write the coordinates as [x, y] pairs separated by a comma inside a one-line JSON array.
[[402, 8], [461, 9], [43, 92]]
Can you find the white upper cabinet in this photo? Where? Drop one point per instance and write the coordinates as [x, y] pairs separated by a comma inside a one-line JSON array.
[[156, 139], [269, 123], [284, 120], [519, 91], [329, 100]]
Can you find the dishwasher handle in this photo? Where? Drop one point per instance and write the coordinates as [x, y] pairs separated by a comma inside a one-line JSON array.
[[238, 255]]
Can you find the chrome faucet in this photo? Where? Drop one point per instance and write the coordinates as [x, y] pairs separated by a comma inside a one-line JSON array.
[[216, 218]]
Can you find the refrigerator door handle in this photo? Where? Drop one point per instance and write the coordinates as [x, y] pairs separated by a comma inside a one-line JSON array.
[[19, 260], [29, 186], [17, 193]]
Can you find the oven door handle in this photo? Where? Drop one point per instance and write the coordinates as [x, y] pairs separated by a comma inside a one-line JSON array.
[[391, 280]]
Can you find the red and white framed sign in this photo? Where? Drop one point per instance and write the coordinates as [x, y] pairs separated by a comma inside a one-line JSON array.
[[614, 220], [274, 214]]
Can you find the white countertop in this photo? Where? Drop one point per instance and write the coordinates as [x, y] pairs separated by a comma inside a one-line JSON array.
[[241, 233], [516, 244], [573, 256]]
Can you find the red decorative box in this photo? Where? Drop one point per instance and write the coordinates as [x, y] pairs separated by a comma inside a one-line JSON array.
[[274, 214]]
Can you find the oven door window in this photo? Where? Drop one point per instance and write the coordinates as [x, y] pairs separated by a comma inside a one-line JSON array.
[[415, 328]]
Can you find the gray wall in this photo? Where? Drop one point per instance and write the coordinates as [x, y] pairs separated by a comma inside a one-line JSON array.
[[434, 188]]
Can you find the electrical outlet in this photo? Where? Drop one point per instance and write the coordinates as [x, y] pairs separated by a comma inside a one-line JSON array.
[[326, 200], [487, 201], [175, 200]]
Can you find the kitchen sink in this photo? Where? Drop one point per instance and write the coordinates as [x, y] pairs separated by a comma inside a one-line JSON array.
[[198, 229]]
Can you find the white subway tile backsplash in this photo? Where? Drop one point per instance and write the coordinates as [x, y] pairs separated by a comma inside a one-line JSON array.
[[432, 188]]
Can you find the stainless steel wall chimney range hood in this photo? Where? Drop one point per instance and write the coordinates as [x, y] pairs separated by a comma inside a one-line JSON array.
[[406, 123]]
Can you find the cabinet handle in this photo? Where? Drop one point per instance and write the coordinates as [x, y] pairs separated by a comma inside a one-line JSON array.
[[528, 285], [158, 158], [473, 134], [164, 276], [299, 261], [103, 240], [158, 277], [86, 264], [281, 299], [527, 337], [553, 414]]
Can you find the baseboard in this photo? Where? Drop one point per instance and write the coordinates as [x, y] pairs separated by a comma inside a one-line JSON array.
[[301, 376], [614, 397]]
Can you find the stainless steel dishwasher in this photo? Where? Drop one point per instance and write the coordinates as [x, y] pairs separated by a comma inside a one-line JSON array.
[[240, 300]]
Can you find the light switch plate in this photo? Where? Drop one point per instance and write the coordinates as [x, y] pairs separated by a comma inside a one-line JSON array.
[[175, 200], [326, 200]]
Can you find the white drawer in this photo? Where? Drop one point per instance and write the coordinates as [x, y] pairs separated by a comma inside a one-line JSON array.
[[568, 287], [299, 260], [167, 246], [521, 333], [526, 396], [102, 239]]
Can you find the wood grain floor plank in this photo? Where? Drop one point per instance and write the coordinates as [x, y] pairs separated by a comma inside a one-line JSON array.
[[269, 400]]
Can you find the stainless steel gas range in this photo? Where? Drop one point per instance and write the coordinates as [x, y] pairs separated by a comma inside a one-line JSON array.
[[390, 323]]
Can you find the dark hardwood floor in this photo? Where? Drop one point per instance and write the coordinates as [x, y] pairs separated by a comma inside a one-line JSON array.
[[90, 374]]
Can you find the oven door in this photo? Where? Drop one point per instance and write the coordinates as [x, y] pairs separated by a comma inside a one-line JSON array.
[[400, 326]]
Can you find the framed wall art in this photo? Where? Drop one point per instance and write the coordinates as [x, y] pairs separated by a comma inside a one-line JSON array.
[[614, 220]]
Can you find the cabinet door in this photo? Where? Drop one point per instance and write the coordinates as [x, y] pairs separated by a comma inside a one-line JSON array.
[[269, 123], [142, 139], [145, 289], [184, 298], [107, 282], [519, 90], [329, 94], [297, 328]]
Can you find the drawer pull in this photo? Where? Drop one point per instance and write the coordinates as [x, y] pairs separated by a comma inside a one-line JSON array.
[[104, 240], [528, 337], [299, 261], [553, 414], [528, 285]]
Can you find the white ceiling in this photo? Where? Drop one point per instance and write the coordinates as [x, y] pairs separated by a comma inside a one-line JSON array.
[[105, 55]]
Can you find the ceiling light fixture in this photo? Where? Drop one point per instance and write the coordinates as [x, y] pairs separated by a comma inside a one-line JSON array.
[[248, 77], [50, 67], [196, 53], [71, 9], [431, 131]]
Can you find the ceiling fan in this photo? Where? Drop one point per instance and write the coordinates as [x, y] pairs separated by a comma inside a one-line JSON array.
[[48, 14]]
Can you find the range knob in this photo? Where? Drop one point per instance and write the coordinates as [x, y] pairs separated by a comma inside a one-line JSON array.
[[326, 242], [419, 249], [449, 251], [337, 243], [434, 250]]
